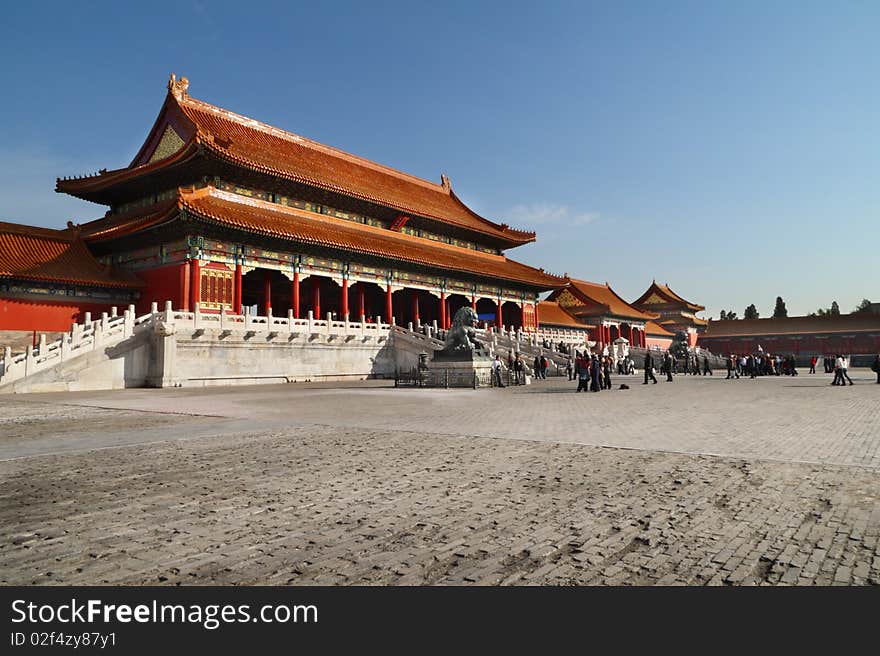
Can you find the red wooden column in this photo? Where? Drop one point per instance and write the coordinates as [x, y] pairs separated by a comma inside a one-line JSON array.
[[537, 320], [415, 307], [474, 303], [343, 299], [294, 294], [443, 310], [195, 285], [522, 316], [389, 311], [267, 292], [183, 293], [498, 314], [316, 297], [236, 291], [362, 311]]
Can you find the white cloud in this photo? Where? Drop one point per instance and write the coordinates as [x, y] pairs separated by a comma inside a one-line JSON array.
[[536, 214]]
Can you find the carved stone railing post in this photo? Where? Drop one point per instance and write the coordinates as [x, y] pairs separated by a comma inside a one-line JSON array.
[[154, 307], [66, 341], [311, 319], [197, 317]]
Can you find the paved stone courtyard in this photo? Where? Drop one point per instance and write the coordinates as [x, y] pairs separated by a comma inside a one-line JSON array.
[[700, 481]]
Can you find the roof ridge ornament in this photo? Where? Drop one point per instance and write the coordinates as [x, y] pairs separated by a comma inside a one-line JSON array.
[[445, 183], [178, 88]]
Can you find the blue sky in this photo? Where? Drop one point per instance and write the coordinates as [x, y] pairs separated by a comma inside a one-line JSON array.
[[729, 149]]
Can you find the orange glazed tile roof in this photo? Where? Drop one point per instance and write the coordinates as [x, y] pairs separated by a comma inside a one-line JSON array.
[[604, 296], [665, 292], [257, 146], [844, 323], [652, 328], [682, 319], [31, 253], [550, 312], [283, 222]]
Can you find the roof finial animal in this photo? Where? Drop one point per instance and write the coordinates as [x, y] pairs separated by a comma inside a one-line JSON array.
[[177, 87]]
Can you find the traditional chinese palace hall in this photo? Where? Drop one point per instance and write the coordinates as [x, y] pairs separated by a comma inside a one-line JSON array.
[[223, 211]]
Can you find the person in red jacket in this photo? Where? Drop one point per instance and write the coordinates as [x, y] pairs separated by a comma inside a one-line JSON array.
[[813, 362]]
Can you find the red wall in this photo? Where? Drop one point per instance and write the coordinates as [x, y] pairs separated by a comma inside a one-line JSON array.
[[168, 283], [47, 316], [862, 344]]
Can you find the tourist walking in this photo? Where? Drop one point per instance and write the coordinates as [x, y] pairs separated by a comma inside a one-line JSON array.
[[875, 367], [568, 368], [496, 369], [813, 362], [842, 366], [595, 374], [537, 367], [649, 368], [670, 363], [607, 371], [582, 371], [545, 366], [707, 370], [732, 361]]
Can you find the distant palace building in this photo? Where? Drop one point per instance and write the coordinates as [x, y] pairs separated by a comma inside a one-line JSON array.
[[850, 334], [605, 314], [223, 211], [676, 314]]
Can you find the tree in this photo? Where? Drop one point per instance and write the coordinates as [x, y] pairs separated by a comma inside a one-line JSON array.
[[864, 306], [723, 316], [731, 316], [751, 312], [679, 346], [780, 312], [834, 310]]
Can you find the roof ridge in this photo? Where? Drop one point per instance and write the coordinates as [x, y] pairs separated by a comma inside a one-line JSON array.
[[60, 234], [299, 139], [654, 315]]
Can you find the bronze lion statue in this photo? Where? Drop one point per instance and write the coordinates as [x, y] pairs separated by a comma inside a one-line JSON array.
[[461, 338]]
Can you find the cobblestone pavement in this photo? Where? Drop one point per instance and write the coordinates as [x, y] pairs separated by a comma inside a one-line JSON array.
[[700, 481]]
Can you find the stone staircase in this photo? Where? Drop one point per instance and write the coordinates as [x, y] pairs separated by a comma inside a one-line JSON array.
[[176, 348]]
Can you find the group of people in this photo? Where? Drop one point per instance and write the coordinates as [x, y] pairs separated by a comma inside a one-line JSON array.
[[760, 364], [516, 365], [593, 372]]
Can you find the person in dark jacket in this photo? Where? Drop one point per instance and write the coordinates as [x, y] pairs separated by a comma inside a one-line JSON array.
[[875, 367], [707, 370], [596, 373], [606, 369], [670, 363], [649, 368], [582, 373], [731, 366]]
